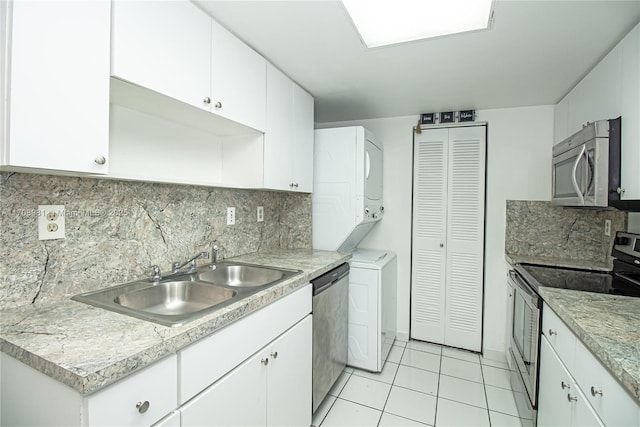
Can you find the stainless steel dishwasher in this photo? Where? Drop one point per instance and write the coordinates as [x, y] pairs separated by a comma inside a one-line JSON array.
[[330, 322]]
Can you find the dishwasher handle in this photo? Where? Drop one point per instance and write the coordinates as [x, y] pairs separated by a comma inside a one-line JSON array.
[[324, 282]]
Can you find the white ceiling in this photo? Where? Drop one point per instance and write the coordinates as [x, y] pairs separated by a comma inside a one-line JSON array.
[[535, 52]]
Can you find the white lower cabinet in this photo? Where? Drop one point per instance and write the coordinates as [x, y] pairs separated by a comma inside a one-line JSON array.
[[561, 403], [575, 389], [272, 388], [254, 372], [140, 399]]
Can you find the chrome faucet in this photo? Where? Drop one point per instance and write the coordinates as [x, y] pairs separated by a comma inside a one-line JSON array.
[[214, 255], [177, 265]]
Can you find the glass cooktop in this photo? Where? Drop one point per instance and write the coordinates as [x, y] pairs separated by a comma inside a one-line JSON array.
[[566, 278]]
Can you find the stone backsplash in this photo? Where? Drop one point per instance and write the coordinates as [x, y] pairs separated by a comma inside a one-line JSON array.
[[116, 229], [573, 237]]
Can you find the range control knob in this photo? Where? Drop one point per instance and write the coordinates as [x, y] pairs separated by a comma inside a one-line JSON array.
[[366, 211], [381, 208]]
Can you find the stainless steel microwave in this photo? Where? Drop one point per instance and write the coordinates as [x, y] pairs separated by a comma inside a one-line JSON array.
[[586, 166]]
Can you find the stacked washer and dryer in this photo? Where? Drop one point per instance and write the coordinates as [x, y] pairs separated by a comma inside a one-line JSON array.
[[347, 204]]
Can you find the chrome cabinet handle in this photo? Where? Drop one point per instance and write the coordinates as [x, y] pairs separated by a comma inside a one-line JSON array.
[[101, 160], [564, 385], [207, 100], [274, 354], [571, 398], [265, 361], [143, 406], [595, 392], [552, 332], [218, 105]]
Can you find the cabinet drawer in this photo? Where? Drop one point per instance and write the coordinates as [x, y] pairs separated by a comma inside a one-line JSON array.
[[560, 337], [206, 361], [609, 399], [117, 405]]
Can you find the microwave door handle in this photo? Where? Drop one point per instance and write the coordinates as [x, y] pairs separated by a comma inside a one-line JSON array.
[[574, 178]]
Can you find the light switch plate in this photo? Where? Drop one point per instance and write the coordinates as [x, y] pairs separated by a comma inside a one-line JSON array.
[[260, 213], [231, 216]]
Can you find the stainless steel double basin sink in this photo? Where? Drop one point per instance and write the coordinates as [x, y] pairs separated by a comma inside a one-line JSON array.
[[181, 298]]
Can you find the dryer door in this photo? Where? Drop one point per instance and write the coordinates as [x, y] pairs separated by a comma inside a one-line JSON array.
[[372, 171]]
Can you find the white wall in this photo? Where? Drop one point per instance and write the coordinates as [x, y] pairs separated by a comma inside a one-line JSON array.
[[518, 167]]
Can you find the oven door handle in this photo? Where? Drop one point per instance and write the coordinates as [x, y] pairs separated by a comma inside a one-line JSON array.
[[522, 286], [574, 178]]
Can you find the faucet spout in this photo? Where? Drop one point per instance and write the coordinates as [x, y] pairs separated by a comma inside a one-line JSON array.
[[192, 261]]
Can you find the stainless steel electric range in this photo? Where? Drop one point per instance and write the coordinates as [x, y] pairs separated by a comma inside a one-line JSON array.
[[524, 282]]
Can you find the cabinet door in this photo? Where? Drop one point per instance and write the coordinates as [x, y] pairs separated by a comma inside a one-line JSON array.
[[630, 157], [164, 46], [429, 235], [554, 387], [238, 399], [123, 403], [613, 404], [277, 145], [59, 86], [302, 142], [289, 377], [239, 80]]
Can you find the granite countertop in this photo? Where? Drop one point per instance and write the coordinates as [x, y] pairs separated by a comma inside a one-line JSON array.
[[608, 325], [88, 348]]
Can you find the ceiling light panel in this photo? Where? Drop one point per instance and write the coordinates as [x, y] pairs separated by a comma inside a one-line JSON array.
[[385, 22]]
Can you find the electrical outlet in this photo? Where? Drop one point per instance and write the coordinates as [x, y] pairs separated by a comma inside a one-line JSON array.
[[260, 213], [607, 227], [231, 216], [51, 222]]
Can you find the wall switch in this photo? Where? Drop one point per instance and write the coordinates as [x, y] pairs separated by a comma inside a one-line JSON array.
[[607, 227], [231, 216], [260, 213], [51, 222]]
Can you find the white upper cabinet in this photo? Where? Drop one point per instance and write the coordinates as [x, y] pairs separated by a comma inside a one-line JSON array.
[[630, 156], [238, 80], [610, 90], [164, 46], [175, 49], [57, 80], [288, 144]]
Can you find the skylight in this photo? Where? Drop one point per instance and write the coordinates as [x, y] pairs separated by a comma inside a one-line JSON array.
[[385, 22]]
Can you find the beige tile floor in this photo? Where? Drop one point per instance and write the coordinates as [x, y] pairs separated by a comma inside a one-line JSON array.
[[422, 385]]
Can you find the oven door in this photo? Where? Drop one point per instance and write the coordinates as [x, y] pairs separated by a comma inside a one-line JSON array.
[[525, 334]]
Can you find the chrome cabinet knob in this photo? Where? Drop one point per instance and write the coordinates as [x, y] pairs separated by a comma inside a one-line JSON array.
[[101, 160], [564, 385], [143, 406], [207, 100], [265, 361], [620, 190], [552, 332], [595, 392], [218, 105], [571, 398], [442, 245], [274, 354]]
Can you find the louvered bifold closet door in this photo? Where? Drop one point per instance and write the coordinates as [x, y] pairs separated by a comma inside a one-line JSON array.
[[429, 235], [465, 237], [448, 236]]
